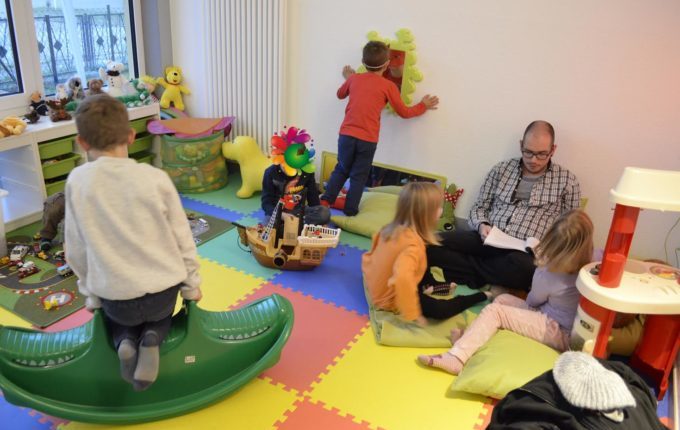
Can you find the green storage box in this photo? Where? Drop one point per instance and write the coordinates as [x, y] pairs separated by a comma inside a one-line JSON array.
[[141, 143], [59, 166], [56, 147], [143, 157], [55, 185], [139, 125], [195, 165]]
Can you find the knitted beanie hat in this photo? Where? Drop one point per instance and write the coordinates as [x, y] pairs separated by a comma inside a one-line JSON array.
[[585, 383]]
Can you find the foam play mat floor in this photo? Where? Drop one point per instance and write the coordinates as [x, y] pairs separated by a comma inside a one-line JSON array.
[[331, 375]]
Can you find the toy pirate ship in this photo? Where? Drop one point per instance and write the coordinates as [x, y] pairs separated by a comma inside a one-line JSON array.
[[286, 242]]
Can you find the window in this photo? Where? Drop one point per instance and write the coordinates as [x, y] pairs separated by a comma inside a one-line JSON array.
[[10, 75], [77, 37]]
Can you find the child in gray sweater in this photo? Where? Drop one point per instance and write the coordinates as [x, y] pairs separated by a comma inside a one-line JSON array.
[[129, 241]]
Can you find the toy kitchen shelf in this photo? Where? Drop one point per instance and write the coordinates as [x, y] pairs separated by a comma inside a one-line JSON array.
[[21, 164]]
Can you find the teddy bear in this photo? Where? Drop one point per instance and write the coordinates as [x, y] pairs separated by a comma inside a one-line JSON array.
[[94, 86], [58, 109], [74, 88], [118, 86], [12, 125], [173, 90], [245, 151], [38, 104], [32, 116]]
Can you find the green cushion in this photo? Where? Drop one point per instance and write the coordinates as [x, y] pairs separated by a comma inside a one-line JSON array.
[[506, 362], [388, 189], [375, 211], [391, 330]]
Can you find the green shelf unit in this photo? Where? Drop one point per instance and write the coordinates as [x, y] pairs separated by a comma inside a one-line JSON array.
[[139, 125], [143, 157], [56, 147], [141, 143], [60, 167]]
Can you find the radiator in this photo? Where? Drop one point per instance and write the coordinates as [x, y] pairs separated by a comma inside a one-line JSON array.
[[246, 70]]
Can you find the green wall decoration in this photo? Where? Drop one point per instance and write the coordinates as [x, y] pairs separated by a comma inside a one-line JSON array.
[[402, 70]]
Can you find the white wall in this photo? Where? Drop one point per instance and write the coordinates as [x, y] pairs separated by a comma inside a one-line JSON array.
[[605, 73], [189, 52]]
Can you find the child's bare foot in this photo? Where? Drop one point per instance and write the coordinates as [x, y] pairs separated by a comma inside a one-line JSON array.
[[347, 71], [456, 334], [447, 362], [495, 291]]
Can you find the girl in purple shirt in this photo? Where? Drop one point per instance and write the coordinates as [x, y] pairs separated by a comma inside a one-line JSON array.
[[549, 310]]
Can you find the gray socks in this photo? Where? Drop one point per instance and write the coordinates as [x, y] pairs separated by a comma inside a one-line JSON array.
[[127, 354], [146, 371]]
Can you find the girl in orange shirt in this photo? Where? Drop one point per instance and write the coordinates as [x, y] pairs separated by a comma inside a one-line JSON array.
[[395, 269]]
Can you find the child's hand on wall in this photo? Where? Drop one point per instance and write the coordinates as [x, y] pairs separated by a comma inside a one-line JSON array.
[[430, 102], [347, 71]]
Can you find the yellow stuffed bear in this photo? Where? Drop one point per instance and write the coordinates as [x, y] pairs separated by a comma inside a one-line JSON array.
[[245, 151], [173, 90], [12, 125]]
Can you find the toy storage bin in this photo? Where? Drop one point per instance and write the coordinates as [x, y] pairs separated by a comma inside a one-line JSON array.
[[59, 166], [3, 240], [143, 157], [56, 147], [141, 143], [139, 125], [195, 165], [53, 186]]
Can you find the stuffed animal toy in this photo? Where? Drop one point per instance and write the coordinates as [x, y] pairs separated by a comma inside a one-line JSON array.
[[94, 86], [118, 86], [150, 84], [38, 104], [32, 116], [448, 220], [13, 125], [58, 110], [61, 92], [74, 88], [245, 151], [173, 90]]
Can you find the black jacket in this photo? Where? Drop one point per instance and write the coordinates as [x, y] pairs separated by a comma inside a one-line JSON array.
[[539, 404], [274, 182]]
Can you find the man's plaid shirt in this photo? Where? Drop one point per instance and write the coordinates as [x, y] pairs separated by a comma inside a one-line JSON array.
[[556, 192]]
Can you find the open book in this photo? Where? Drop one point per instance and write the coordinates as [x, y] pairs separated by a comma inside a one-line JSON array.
[[498, 239]]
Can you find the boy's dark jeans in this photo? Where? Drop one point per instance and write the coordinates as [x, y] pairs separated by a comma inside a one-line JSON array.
[[132, 319], [355, 157]]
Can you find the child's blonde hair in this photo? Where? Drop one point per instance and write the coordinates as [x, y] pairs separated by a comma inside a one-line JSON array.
[[568, 244], [416, 209]]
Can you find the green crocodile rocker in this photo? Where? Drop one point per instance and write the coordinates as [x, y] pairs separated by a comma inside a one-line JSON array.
[[206, 356]]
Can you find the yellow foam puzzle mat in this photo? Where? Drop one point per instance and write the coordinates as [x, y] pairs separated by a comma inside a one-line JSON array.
[[395, 392], [255, 407]]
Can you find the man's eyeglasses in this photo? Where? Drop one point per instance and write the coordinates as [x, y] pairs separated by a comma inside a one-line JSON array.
[[543, 155]]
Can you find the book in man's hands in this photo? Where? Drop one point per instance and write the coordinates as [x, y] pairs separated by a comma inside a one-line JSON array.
[[499, 239]]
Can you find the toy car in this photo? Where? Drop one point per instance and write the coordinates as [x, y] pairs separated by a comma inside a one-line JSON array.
[[59, 255], [17, 254], [27, 269], [64, 270], [4, 260]]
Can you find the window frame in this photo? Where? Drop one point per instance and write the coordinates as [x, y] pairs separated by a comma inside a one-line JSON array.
[[28, 56]]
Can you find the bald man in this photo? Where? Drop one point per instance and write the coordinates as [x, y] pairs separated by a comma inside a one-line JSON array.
[[522, 197]]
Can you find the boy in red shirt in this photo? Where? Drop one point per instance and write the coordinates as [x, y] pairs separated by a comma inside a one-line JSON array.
[[368, 94]]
